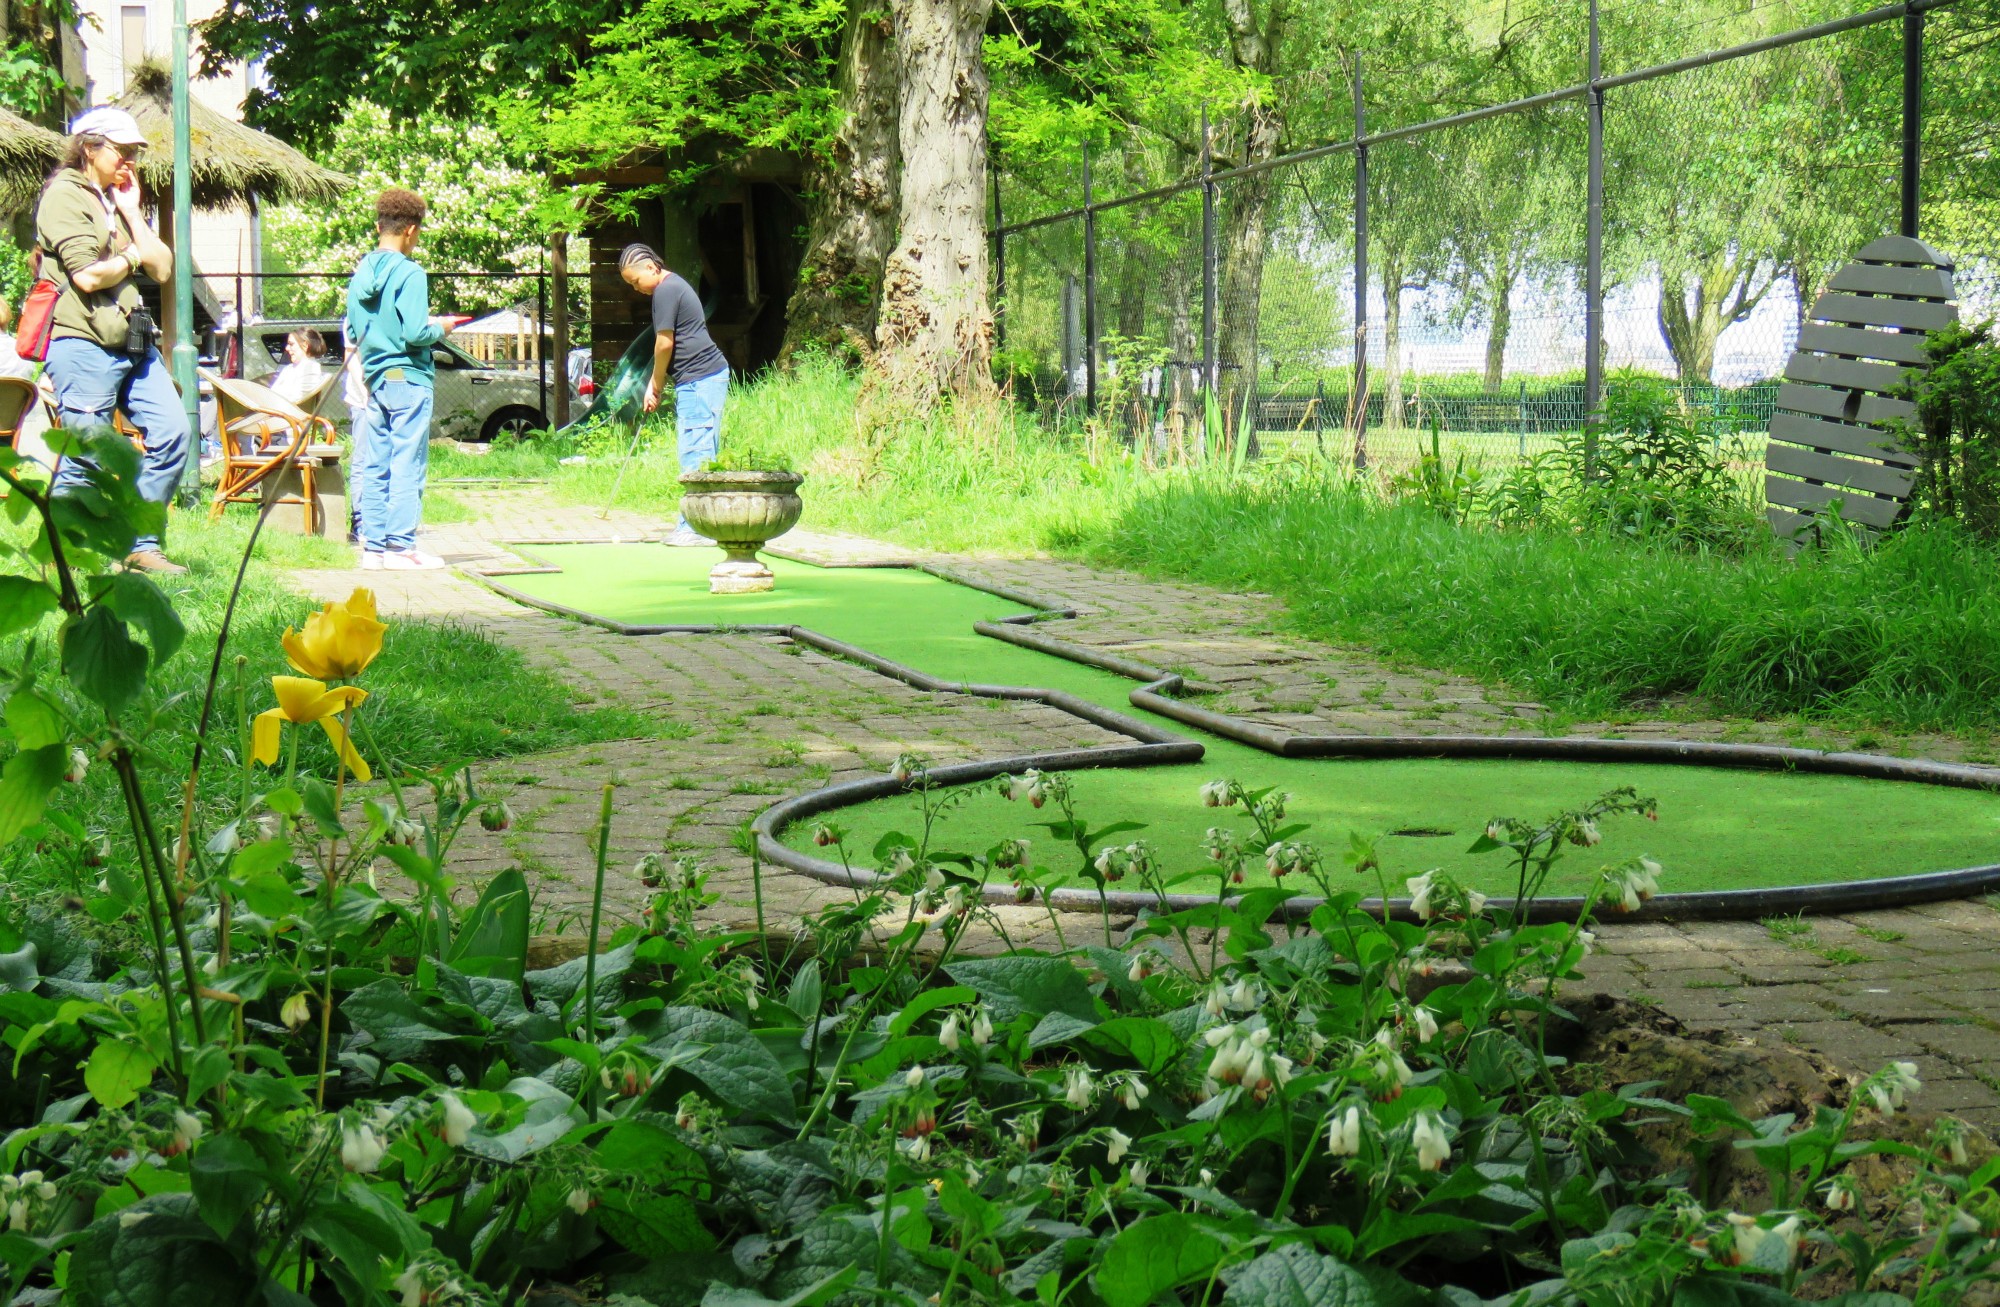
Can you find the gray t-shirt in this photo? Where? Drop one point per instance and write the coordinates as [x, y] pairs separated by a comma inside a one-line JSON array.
[[676, 308]]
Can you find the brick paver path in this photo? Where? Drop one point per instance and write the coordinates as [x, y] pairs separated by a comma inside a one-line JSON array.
[[748, 719]]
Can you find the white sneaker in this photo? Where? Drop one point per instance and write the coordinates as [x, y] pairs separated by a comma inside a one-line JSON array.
[[411, 562], [370, 562]]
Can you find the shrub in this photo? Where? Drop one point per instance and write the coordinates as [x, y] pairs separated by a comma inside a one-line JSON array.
[[1958, 406]]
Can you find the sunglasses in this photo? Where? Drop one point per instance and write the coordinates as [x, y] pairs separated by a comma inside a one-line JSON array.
[[129, 153]]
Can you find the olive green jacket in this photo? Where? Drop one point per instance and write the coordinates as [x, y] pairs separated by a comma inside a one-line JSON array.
[[74, 231]]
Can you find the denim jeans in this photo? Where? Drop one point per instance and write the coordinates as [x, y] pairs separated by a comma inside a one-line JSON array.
[[91, 382], [391, 484], [698, 414], [357, 465]]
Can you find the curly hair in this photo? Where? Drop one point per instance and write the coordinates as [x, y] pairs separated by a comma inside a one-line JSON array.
[[398, 210]]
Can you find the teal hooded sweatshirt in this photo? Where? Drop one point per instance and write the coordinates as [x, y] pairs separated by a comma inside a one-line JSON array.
[[388, 312]]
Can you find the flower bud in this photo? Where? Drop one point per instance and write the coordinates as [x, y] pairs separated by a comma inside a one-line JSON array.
[[79, 764], [296, 1011], [580, 1201], [496, 816]]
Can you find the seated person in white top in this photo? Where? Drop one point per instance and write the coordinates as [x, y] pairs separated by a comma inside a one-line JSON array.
[[300, 379]]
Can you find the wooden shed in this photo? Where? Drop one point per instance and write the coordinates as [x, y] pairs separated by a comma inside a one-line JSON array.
[[737, 233]]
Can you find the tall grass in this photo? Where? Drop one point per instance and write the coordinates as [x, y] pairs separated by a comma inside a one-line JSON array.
[[978, 478], [1906, 634]]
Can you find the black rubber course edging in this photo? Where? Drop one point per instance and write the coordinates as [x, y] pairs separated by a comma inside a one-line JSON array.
[[1156, 746]]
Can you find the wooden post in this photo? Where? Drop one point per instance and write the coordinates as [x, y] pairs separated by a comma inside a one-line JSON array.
[[559, 310]]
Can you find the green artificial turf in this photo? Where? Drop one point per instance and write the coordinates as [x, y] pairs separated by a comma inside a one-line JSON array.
[[1718, 828]]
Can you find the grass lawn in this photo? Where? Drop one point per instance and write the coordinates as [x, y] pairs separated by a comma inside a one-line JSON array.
[[1718, 829]]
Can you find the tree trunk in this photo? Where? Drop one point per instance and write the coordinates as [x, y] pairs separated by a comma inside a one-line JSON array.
[[1725, 291], [1254, 41], [1392, 338], [1500, 318], [833, 307], [935, 331]]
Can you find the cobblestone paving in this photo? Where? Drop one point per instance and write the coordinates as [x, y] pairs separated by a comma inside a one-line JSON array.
[[746, 719]]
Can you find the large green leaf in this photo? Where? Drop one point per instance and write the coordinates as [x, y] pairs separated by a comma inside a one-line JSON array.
[[227, 1178], [727, 1295], [1296, 1276], [653, 1225], [33, 720], [117, 1071], [1148, 1041], [720, 1052], [550, 1114], [137, 600], [23, 602], [157, 1253], [26, 782], [1154, 1254], [1012, 986], [493, 939], [104, 663]]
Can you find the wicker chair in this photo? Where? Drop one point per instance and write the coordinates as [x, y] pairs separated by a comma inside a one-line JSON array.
[[260, 430]]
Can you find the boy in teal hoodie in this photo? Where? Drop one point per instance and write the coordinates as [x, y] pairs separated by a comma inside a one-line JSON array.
[[388, 312]]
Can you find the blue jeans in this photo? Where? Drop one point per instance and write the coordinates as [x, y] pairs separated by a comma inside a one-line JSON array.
[[91, 382], [391, 483], [357, 464], [698, 415]]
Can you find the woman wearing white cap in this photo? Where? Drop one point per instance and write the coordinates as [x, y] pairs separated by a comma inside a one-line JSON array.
[[102, 354]]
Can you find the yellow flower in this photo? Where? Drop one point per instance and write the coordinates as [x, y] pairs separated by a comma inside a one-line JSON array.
[[339, 641], [301, 701]]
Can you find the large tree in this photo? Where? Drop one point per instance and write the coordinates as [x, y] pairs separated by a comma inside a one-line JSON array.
[[935, 330], [856, 200]]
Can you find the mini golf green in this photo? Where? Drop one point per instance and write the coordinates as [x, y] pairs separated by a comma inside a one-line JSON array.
[[1719, 828]]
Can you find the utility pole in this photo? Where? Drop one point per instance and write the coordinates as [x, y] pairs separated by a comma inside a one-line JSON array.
[[1358, 399], [1593, 276], [1913, 117], [184, 352]]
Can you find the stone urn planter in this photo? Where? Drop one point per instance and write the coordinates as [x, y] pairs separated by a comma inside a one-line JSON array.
[[741, 511]]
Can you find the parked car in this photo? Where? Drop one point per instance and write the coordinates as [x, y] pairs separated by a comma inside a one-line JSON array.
[[475, 401]]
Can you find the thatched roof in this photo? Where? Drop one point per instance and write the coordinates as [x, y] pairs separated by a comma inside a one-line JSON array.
[[231, 162], [27, 153]]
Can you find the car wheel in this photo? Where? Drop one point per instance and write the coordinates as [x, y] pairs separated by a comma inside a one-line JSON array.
[[515, 422]]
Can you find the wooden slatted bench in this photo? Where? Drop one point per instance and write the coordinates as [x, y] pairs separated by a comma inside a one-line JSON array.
[[1861, 343]]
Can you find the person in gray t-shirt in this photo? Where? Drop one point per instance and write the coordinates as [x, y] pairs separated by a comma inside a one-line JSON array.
[[684, 353]]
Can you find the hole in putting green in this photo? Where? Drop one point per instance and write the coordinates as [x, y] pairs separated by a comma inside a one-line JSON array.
[[1719, 828]]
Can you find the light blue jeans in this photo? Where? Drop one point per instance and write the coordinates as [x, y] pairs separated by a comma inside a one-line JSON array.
[[698, 415], [390, 484], [91, 383], [357, 436]]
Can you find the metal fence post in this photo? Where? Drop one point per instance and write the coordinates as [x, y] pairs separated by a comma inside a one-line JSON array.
[[541, 350], [999, 266], [1593, 275], [1208, 270], [1358, 402], [1089, 293], [559, 324], [1913, 116]]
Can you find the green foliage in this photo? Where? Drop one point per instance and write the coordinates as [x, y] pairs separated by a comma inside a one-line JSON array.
[[1902, 634], [14, 279], [1647, 465], [483, 194], [1957, 435], [280, 1078]]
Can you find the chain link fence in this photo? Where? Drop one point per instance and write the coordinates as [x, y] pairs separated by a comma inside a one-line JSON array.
[[498, 369], [1215, 311]]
